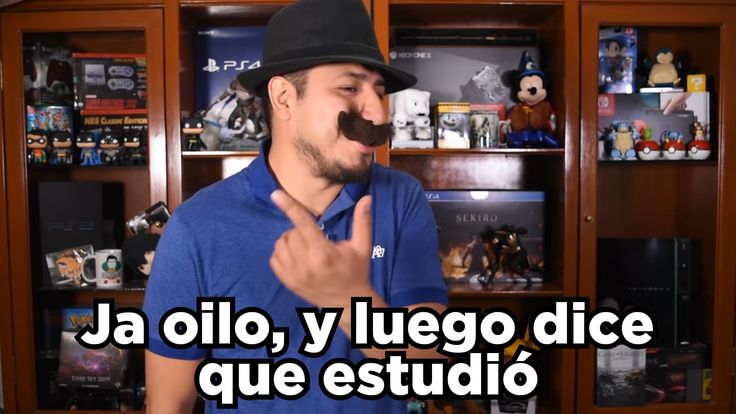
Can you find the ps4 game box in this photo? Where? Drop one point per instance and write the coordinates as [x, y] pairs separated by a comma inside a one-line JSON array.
[[482, 230], [220, 54]]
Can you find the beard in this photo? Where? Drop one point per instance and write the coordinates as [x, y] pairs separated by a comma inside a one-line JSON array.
[[334, 171]]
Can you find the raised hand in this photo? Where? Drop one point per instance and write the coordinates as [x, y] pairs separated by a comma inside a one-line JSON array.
[[322, 272]]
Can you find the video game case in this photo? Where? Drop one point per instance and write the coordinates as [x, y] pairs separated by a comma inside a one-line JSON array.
[[621, 377], [77, 318]]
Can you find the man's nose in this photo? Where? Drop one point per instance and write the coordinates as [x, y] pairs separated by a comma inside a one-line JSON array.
[[372, 109]]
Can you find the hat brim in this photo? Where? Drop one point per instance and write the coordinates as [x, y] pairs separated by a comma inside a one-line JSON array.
[[394, 79]]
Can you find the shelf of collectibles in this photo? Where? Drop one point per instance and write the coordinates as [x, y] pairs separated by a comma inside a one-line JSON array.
[[85, 91], [653, 201], [490, 119]]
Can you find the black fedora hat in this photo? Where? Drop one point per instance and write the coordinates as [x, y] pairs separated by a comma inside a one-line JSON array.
[[311, 32]]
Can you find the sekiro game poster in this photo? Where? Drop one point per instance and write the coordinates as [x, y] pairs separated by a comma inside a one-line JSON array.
[[490, 237]]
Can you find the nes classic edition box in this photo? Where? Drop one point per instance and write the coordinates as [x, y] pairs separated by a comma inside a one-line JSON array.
[[220, 54], [461, 217], [110, 81]]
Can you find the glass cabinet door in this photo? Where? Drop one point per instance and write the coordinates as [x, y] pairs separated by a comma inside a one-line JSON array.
[[85, 150], [656, 202]]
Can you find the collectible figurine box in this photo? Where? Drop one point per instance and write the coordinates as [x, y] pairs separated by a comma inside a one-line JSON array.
[[109, 81], [465, 219], [80, 367], [453, 125], [462, 70], [617, 59], [220, 53], [49, 118]]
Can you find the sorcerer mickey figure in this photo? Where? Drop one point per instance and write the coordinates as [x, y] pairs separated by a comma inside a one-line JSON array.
[[532, 120]]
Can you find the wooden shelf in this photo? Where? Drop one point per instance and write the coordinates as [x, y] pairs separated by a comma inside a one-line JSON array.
[[130, 293], [516, 290], [217, 154], [662, 408], [478, 151]]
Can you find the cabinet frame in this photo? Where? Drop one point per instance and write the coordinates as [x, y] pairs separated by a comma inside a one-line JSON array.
[[597, 15], [14, 26]]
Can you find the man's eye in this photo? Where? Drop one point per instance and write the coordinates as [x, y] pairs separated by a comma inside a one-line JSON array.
[[351, 89]]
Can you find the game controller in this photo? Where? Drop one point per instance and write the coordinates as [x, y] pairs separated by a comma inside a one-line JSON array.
[[125, 71], [120, 83]]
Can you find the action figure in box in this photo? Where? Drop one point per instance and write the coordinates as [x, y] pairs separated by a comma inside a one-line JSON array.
[[110, 148], [532, 120], [37, 143], [61, 142], [134, 153], [88, 156], [192, 128], [699, 147]]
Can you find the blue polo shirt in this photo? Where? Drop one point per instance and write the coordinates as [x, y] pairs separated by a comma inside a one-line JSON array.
[[219, 242]]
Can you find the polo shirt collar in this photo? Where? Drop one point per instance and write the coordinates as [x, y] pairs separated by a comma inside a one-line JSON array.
[[263, 183]]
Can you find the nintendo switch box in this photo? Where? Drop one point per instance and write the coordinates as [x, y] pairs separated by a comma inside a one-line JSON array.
[[648, 110]]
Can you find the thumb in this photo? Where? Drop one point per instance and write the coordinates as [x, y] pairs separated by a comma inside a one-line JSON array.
[[362, 238]]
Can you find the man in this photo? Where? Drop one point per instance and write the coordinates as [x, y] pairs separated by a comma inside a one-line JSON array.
[[338, 227]]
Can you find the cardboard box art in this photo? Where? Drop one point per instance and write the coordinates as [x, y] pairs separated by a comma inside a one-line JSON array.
[[110, 81], [463, 217]]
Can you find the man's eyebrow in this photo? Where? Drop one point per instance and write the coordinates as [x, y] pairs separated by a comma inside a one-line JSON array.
[[361, 76]]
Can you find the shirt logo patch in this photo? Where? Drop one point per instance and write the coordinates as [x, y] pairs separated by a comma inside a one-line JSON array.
[[378, 252]]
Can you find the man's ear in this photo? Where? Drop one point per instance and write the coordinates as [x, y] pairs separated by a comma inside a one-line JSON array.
[[282, 94]]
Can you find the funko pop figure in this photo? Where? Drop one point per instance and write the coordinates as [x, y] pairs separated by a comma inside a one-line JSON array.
[[134, 153], [37, 142], [192, 127], [110, 148], [89, 155], [61, 142]]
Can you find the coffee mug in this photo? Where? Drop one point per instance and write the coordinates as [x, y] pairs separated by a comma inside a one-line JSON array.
[[108, 268]]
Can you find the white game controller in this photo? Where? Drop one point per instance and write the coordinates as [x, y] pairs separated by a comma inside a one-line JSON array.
[[120, 83], [125, 71]]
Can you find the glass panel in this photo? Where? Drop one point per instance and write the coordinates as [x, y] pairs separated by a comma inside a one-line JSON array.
[[657, 194], [86, 123]]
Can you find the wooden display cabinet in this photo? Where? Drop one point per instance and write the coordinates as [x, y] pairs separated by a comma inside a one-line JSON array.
[[553, 171], [665, 199], [118, 31]]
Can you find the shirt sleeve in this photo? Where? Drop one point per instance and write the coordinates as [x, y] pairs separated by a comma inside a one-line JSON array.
[[417, 276], [174, 282]]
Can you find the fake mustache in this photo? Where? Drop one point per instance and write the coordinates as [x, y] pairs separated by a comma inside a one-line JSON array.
[[357, 128]]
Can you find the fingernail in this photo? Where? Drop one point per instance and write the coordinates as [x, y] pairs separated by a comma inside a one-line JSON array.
[[277, 196]]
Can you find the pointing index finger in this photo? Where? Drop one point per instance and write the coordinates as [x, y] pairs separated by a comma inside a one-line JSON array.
[[302, 219]]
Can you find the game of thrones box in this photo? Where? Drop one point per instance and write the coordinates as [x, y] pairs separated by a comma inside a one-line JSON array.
[[490, 237]]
